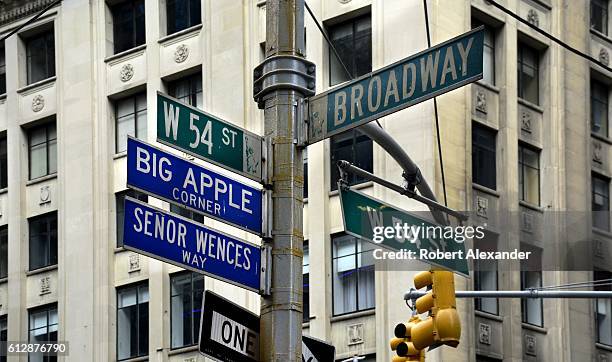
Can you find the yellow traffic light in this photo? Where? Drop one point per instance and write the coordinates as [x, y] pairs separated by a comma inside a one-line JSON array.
[[402, 343], [443, 325]]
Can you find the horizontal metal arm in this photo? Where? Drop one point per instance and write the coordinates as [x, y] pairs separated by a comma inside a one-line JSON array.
[[349, 167], [530, 293]]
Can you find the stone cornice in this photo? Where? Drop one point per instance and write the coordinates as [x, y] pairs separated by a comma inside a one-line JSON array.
[[13, 10]]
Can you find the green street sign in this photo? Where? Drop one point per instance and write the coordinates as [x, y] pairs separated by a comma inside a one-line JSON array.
[[362, 214], [412, 80], [205, 136]]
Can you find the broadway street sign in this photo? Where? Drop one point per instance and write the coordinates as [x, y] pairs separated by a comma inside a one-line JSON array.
[[415, 79], [228, 332], [175, 180], [187, 244], [315, 350], [208, 137], [363, 214]]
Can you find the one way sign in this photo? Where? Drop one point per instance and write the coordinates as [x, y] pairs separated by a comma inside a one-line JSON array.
[[315, 350]]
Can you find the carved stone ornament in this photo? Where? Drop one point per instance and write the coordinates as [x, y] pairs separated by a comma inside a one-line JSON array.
[[482, 206], [45, 195], [530, 345], [481, 101], [355, 334], [527, 224], [190, 359], [45, 285], [603, 357], [533, 17], [597, 152], [604, 56], [38, 103], [127, 72], [598, 248], [484, 333], [526, 121], [181, 53], [133, 263], [344, 1]]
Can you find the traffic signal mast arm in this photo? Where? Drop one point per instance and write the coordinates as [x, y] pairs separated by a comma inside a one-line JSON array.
[[530, 293]]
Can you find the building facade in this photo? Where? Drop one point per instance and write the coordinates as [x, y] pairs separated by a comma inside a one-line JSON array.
[[522, 146]]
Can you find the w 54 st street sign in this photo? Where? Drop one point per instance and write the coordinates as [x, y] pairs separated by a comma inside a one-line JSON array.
[[412, 80]]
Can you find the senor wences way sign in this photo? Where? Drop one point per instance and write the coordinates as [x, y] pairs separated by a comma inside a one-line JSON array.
[[185, 183], [205, 136], [228, 332], [412, 80], [187, 244]]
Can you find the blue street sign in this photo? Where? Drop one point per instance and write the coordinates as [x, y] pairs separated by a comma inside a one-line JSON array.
[[175, 180], [187, 244]]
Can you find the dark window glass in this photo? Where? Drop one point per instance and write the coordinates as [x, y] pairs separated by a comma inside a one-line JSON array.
[[120, 199], [601, 202], [306, 283], [353, 41], [186, 289], [4, 252], [528, 74], [485, 274], [3, 163], [599, 108], [128, 24], [42, 328], [532, 309], [3, 336], [603, 308], [2, 69], [132, 321], [488, 61], [40, 53], [188, 90], [529, 174], [352, 275], [43, 240], [483, 156], [130, 119], [182, 14], [487, 359], [197, 217], [354, 147], [42, 145], [599, 16]]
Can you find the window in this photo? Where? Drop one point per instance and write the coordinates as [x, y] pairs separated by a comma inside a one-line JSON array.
[[42, 328], [599, 16], [531, 277], [131, 119], [529, 174], [120, 211], [3, 163], [3, 251], [188, 90], [306, 283], [353, 41], [128, 24], [186, 305], [488, 61], [603, 308], [2, 69], [353, 274], [182, 14], [192, 215], [528, 74], [599, 108], [43, 241], [354, 147], [42, 144], [305, 163], [601, 202], [367, 358], [40, 54], [483, 156], [485, 274], [3, 336], [132, 321]]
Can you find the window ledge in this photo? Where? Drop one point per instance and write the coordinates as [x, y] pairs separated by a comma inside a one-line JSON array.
[[601, 35], [127, 54], [485, 189], [41, 179], [4, 190], [531, 206], [135, 359], [602, 232], [306, 324], [3, 280], [119, 155], [533, 106], [38, 84], [490, 316], [601, 138], [2, 96], [180, 33], [360, 186], [180, 350], [531, 327], [343, 317], [603, 346], [488, 86], [119, 249], [41, 270]]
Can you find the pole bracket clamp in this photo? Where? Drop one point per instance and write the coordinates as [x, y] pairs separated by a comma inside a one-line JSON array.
[[287, 72]]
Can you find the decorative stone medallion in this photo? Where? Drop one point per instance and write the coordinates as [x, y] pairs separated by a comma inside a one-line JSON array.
[[533, 18], [45, 285], [45, 195], [355, 334], [597, 152], [530, 345], [481, 101], [344, 1], [604, 56], [484, 333], [527, 224], [181, 53], [38, 103], [133, 263], [482, 206], [526, 121], [127, 72]]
